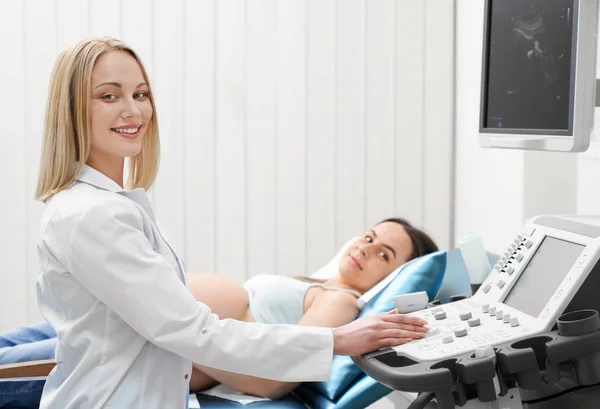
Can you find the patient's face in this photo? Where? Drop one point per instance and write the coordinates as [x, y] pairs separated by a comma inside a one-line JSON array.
[[375, 255]]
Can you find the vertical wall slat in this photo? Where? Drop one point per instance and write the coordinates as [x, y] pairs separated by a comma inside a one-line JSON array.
[[230, 140], [138, 35], [410, 113], [320, 133], [40, 55], [168, 89], [72, 20], [380, 111], [439, 120], [260, 134], [105, 18], [14, 196], [199, 127], [350, 119], [291, 137]]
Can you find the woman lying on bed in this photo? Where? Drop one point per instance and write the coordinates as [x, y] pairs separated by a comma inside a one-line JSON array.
[[268, 299]]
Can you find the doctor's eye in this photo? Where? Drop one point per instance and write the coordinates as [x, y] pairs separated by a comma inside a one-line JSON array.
[[109, 97], [369, 239], [140, 95]]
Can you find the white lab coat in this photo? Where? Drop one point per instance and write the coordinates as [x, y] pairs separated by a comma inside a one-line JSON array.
[[128, 328]]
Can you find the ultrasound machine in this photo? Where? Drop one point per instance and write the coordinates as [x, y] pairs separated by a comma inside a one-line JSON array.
[[529, 337]]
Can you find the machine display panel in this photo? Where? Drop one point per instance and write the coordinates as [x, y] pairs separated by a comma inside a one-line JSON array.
[[529, 65], [542, 276]]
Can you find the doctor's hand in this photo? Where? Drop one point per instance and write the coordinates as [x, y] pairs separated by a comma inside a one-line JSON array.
[[371, 333]]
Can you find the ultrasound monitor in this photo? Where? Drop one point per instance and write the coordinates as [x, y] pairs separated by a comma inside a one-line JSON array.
[[538, 74], [542, 275]]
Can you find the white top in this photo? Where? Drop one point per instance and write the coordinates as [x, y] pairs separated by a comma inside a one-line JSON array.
[[128, 328]]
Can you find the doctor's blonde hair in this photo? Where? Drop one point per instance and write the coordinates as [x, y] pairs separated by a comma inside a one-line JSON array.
[[67, 128]]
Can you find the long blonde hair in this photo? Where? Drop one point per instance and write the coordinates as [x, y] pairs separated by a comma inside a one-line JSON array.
[[67, 128]]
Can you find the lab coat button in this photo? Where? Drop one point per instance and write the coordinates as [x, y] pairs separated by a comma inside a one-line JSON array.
[[204, 331], [186, 376]]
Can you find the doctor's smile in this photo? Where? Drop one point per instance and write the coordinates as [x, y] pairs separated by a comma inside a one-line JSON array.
[[128, 131]]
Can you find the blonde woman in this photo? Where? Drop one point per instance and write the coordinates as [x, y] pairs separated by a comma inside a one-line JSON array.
[[113, 289]]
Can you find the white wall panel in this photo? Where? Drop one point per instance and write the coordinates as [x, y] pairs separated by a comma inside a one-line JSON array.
[[261, 176], [380, 112], [410, 109], [199, 129], [287, 127], [230, 139], [105, 18], [291, 137], [439, 120], [169, 85], [72, 22], [14, 199], [350, 119], [320, 133], [40, 53]]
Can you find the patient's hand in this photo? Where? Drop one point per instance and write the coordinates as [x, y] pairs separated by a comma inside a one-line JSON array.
[[371, 333]]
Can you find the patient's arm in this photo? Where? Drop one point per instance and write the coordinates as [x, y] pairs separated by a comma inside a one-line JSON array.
[[330, 309]]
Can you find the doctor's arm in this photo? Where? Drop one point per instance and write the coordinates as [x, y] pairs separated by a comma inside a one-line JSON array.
[[109, 255]]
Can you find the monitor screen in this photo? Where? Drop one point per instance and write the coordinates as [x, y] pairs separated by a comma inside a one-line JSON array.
[[542, 276], [528, 65]]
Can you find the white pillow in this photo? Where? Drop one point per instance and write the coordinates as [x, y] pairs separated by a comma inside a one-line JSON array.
[[330, 269]]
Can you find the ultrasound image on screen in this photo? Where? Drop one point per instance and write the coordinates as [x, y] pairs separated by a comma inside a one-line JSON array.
[[542, 276], [529, 64]]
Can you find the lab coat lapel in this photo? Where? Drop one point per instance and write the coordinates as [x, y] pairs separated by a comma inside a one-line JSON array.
[[140, 197], [97, 179]]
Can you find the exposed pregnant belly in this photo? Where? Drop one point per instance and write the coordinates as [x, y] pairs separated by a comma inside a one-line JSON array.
[[224, 296]]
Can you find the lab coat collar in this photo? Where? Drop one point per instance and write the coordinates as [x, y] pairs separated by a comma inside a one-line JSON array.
[[99, 180], [95, 178]]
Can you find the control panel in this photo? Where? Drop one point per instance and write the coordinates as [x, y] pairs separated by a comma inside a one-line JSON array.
[[463, 326], [535, 280]]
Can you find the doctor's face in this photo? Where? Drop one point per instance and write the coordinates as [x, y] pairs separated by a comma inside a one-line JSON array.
[[375, 255], [121, 110]]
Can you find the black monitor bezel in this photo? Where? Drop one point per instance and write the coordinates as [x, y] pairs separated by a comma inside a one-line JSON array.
[[484, 81]]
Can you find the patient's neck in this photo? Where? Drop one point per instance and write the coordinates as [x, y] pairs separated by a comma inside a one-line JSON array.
[[339, 282]]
